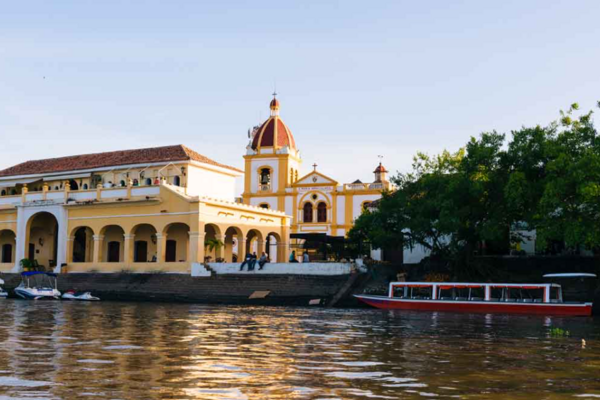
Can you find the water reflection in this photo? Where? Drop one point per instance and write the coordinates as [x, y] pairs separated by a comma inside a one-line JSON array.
[[61, 350]]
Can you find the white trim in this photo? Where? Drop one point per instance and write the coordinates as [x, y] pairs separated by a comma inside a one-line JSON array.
[[8, 222], [227, 171], [133, 215], [11, 182]]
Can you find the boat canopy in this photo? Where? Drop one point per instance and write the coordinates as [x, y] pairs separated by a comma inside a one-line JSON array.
[[31, 273], [571, 275]]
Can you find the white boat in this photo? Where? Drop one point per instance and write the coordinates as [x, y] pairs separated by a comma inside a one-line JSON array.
[[3, 293], [81, 296], [37, 285]]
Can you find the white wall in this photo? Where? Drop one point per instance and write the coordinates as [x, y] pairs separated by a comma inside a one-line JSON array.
[[271, 201], [357, 203], [204, 182], [255, 165], [285, 268], [341, 210]]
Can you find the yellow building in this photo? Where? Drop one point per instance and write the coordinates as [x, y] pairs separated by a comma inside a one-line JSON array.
[[159, 209], [317, 203]]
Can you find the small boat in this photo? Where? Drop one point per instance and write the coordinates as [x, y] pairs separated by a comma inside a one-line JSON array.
[[526, 298], [3, 293], [81, 296], [37, 285]]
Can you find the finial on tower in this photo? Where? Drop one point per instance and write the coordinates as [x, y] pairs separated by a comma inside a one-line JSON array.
[[274, 105]]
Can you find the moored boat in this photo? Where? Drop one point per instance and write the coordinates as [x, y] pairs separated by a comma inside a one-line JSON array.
[[527, 298], [3, 293], [81, 296], [37, 285]]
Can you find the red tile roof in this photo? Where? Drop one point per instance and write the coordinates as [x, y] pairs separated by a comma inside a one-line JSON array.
[[110, 159]]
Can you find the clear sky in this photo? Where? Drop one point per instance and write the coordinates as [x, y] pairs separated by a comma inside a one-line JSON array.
[[356, 79]]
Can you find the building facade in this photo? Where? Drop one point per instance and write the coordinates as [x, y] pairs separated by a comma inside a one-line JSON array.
[[316, 203], [164, 209]]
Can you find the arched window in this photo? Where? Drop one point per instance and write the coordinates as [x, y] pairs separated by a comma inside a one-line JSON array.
[[292, 175], [265, 179], [322, 212], [177, 181], [122, 183], [136, 182], [148, 182], [308, 212], [13, 192], [3, 193], [73, 184], [264, 205], [85, 186]]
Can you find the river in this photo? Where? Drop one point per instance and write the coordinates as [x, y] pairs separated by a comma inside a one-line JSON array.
[[110, 350]]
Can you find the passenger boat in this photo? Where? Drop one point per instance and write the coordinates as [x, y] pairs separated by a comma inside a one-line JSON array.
[[529, 298], [37, 285]]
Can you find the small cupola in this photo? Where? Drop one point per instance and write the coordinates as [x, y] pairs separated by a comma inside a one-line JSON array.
[[380, 173]]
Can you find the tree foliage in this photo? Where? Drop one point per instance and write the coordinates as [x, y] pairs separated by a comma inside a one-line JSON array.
[[547, 178]]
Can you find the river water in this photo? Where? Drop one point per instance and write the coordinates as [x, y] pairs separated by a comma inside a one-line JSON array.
[[62, 350]]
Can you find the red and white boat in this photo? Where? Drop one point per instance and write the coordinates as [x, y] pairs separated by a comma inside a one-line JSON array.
[[526, 298]]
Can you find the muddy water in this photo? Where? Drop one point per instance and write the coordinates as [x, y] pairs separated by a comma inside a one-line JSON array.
[[62, 350]]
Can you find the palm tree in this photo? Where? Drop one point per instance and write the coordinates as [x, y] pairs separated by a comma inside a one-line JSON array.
[[212, 244]]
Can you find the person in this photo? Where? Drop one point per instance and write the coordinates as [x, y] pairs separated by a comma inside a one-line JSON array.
[[293, 257], [246, 262], [252, 263], [262, 261], [305, 257]]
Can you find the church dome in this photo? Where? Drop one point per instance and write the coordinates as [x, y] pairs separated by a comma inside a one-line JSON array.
[[273, 132]]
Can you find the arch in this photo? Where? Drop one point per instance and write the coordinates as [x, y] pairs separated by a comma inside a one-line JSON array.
[[83, 244], [148, 182], [213, 243], [8, 245], [321, 196], [122, 183], [114, 243], [254, 241], [85, 186], [176, 180], [177, 242], [264, 205], [265, 178], [136, 182], [145, 243], [273, 247], [307, 212], [322, 211], [3, 193], [41, 242], [234, 239], [73, 184]]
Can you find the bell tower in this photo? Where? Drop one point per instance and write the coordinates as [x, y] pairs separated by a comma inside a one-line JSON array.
[[272, 162]]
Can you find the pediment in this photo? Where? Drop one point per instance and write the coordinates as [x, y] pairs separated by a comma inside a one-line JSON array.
[[315, 178]]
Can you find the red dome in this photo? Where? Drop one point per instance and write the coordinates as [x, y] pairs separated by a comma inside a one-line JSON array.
[[380, 168], [273, 132]]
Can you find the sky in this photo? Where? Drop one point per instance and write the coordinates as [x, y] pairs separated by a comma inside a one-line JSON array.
[[356, 79]]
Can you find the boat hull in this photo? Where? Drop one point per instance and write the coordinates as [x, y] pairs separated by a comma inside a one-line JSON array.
[[36, 294], [384, 302]]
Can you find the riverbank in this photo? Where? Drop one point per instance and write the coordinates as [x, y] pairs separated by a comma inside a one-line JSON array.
[[241, 288]]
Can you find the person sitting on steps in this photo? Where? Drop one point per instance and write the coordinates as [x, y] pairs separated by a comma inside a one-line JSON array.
[[262, 261], [246, 262]]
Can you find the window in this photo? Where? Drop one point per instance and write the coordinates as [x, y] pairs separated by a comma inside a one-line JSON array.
[[322, 212], [265, 179], [148, 182], [264, 205], [177, 181], [85, 186], [3, 193], [136, 182], [292, 175], [122, 183], [308, 212], [365, 205]]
